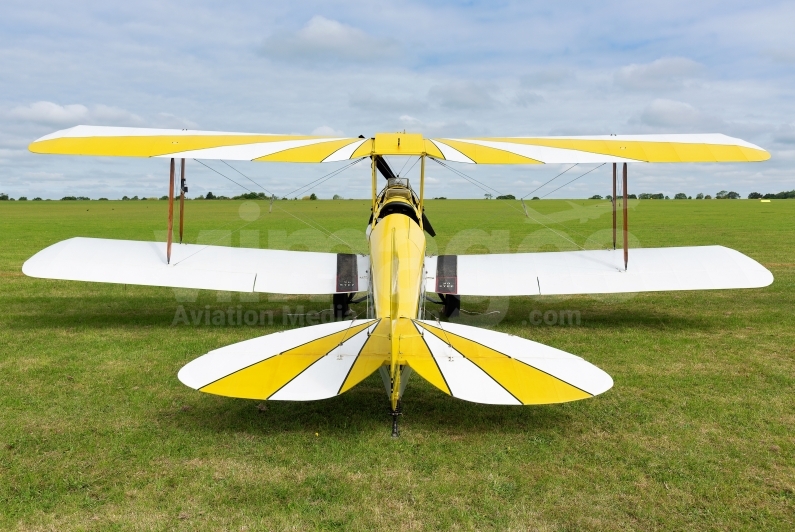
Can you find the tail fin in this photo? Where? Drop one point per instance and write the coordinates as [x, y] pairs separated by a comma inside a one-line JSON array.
[[303, 364], [495, 368]]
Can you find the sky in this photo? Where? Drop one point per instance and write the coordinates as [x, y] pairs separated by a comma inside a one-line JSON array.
[[444, 68]]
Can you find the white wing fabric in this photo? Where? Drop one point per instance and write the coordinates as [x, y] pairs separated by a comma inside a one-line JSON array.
[[602, 272], [192, 266], [685, 148], [145, 142]]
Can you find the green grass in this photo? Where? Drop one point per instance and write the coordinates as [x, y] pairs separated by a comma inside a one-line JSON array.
[[97, 433]]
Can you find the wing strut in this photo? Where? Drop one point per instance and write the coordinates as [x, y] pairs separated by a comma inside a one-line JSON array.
[[182, 190], [615, 199], [626, 239], [170, 212]]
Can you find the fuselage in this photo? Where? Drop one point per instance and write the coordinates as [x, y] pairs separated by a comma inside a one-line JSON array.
[[397, 253]]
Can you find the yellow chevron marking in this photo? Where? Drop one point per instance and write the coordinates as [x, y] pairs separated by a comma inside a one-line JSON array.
[[485, 155], [150, 146], [373, 355], [528, 384], [263, 379], [415, 353], [649, 151], [307, 154], [431, 150]]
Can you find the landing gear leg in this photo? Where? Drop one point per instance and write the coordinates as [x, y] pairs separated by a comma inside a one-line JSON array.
[[395, 414]]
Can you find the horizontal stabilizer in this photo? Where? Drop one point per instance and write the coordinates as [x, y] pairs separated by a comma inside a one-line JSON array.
[[303, 364], [595, 272], [199, 266], [489, 367]]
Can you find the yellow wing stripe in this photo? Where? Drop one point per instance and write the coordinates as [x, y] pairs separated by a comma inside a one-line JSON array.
[[314, 153], [647, 151], [373, 355], [150, 146], [528, 384], [265, 378], [488, 155]]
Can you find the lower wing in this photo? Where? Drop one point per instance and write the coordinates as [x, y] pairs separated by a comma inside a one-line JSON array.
[[198, 266], [594, 272]]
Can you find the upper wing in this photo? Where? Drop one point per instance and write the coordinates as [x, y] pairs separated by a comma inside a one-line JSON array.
[[197, 266], [144, 142], [595, 272], [702, 148]]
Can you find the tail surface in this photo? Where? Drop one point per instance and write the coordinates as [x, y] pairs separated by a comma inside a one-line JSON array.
[[326, 360], [489, 367]]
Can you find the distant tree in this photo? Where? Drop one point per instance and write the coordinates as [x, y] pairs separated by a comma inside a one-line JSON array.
[[680, 195], [536, 197], [488, 196], [632, 196], [3, 196], [68, 198], [440, 197], [102, 199], [722, 194], [83, 198], [209, 195], [23, 198], [754, 195], [337, 197], [595, 196], [135, 198], [124, 198], [699, 196], [609, 197], [707, 197], [37, 198], [732, 195], [666, 197], [313, 196], [785, 195], [507, 196], [284, 199], [163, 197]]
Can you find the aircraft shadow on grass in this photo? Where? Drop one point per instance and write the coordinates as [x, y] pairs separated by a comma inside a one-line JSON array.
[[361, 410], [96, 313]]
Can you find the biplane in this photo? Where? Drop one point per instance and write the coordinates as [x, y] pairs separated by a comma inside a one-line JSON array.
[[397, 276]]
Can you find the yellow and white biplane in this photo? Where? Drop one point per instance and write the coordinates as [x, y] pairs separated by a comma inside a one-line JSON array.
[[325, 360]]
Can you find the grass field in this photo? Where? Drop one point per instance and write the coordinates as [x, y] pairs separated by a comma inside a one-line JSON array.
[[698, 433]]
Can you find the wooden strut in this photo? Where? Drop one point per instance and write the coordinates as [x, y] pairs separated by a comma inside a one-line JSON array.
[[626, 237], [615, 199], [170, 212], [181, 198]]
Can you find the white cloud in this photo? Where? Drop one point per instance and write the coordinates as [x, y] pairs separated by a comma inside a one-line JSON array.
[[665, 73], [662, 114], [462, 95], [326, 131], [323, 39], [50, 113]]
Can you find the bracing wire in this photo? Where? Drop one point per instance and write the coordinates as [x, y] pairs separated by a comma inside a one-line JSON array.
[[316, 227], [575, 179], [551, 180]]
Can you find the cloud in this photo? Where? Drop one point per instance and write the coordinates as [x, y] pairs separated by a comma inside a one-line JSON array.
[[323, 39], [665, 73], [667, 113], [547, 76], [387, 103], [326, 131], [462, 95], [50, 113]]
